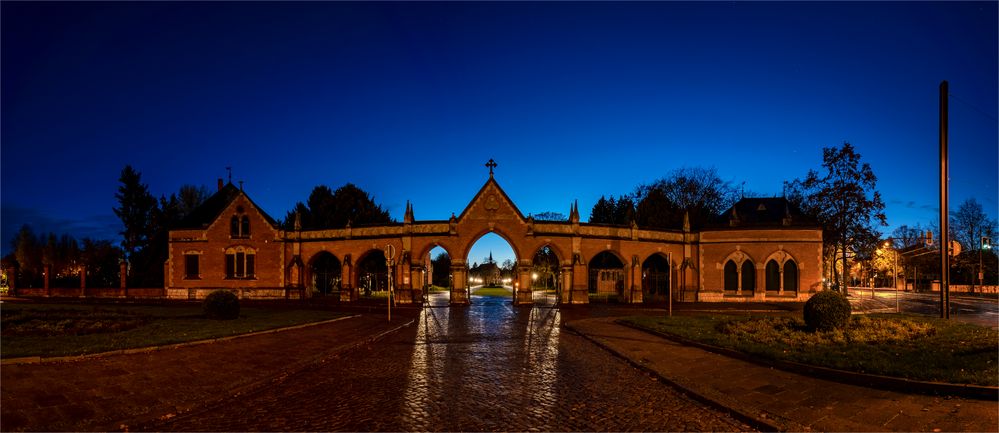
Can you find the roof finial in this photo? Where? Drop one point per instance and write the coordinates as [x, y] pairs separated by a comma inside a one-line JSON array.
[[491, 164]]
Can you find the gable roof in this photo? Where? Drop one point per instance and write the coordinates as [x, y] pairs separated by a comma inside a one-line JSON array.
[[762, 212], [491, 182], [204, 215]]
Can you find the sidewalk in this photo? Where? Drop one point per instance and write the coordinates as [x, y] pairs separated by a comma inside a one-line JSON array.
[[118, 391], [782, 400]]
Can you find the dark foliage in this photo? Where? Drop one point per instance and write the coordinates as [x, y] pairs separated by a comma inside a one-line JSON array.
[[827, 310], [221, 305], [328, 209]]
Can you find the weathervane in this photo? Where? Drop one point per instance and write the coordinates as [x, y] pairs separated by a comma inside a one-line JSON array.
[[491, 164]]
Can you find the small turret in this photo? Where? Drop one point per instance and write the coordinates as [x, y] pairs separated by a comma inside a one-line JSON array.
[[686, 221], [574, 212], [408, 217]]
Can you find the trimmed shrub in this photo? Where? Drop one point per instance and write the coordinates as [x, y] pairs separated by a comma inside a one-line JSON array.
[[827, 310], [221, 305]]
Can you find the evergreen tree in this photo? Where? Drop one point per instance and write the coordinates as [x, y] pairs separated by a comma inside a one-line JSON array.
[[602, 212], [135, 208]]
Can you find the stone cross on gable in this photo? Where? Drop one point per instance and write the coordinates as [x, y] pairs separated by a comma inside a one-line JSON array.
[[491, 164]]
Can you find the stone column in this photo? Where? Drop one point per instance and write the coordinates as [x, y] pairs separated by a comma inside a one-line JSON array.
[[346, 281], [46, 272], [566, 284], [123, 272], [83, 281], [523, 294], [416, 282], [459, 284], [580, 281]]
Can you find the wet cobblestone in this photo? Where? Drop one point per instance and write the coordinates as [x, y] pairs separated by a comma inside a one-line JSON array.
[[487, 367]]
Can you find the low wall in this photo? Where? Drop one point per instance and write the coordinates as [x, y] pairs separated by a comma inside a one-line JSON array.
[[97, 292], [965, 288], [257, 293], [716, 296]]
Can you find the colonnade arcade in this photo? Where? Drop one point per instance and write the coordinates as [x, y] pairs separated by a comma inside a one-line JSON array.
[[619, 261]]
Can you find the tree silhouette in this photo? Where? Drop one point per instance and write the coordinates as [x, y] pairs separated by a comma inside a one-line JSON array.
[[844, 200]]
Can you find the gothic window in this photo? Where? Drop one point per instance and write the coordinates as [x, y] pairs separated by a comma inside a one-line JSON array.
[[239, 263], [731, 276], [790, 276], [773, 276], [239, 227], [192, 269], [748, 276]]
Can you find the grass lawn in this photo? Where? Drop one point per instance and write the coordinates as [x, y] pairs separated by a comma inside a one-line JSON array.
[[69, 329], [906, 346], [492, 291]]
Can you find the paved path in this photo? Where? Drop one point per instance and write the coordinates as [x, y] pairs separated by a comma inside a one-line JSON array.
[[485, 367], [788, 400], [117, 391]]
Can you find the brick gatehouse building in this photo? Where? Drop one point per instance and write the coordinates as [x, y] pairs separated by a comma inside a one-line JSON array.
[[758, 250]]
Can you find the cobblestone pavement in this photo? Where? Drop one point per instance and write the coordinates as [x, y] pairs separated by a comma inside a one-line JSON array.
[[485, 367]]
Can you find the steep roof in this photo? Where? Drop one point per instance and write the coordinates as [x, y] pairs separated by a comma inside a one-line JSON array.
[[762, 212], [204, 215], [503, 200]]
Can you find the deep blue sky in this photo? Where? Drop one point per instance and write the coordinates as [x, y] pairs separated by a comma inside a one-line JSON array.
[[408, 101]]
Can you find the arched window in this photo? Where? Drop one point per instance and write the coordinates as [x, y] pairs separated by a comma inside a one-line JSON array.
[[240, 263], [773, 276], [748, 276], [234, 226], [790, 276], [245, 227], [731, 276]]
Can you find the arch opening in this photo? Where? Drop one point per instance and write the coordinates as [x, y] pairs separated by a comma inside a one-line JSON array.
[[655, 278], [773, 277], [606, 275], [731, 277], [439, 277], [325, 274], [492, 268], [546, 275], [748, 277], [790, 276], [372, 274]]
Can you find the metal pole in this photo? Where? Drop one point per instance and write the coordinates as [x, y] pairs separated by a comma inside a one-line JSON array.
[[944, 238]]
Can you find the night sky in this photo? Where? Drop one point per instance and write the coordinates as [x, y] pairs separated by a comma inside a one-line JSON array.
[[408, 101]]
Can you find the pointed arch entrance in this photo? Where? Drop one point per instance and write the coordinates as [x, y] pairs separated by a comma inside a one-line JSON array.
[[546, 273], [324, 276], [492, 270], [606, 275], [656, 278]]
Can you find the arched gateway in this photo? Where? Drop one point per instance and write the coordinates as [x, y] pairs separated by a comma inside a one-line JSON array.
[[628, 263]]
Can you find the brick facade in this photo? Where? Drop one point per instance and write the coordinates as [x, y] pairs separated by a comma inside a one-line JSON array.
[[284, 260]]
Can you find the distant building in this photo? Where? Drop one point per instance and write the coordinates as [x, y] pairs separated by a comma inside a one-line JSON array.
[[758, 250]]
